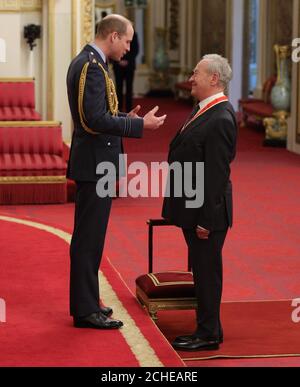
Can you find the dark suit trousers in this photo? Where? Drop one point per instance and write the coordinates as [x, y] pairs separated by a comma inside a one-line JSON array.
[[205, 257], [125, 74], [90, 224]]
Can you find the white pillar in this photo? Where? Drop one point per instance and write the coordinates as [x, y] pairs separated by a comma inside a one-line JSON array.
[[2, 51], [235, 89]]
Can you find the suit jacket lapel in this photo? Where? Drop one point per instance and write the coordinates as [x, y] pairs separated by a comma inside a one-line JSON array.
[[197, 122], [181, 134], [194, 111]]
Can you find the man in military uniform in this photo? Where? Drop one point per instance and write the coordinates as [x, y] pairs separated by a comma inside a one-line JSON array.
[[97, 137]]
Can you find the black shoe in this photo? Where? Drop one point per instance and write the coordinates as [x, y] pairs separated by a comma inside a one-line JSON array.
[[106, 310], [179, 339], [196, 344], [97, 321]]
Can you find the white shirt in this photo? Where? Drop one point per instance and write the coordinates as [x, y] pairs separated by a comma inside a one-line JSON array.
[[208, 100]]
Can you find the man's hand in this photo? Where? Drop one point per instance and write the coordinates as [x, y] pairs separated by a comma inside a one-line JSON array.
[[202, 233], [134, 112], [153, 122]]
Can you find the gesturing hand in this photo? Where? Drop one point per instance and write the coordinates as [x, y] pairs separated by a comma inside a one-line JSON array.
[[153, 122], [134, 112]]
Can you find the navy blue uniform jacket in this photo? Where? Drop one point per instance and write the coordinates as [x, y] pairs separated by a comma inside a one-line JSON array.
[[211, 138], [88, 150]]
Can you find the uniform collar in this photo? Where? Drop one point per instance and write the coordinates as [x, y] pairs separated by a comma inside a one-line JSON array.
[[100, 52]]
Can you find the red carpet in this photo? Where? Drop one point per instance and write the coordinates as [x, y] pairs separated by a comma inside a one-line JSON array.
[[251, 329], [38, 330]]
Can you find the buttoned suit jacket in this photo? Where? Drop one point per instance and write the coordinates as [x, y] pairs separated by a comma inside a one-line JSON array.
[[211, 139], [88, 150]]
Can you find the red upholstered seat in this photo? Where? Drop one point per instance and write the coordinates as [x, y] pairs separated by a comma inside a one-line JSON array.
[[253, 110], [261, 109], [16, 113], [164, 290], [183, 88], [167, 284], [185, 85], [17, 100], [32, 167]]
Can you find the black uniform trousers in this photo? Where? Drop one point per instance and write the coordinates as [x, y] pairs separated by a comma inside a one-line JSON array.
[[90, 224], [205, 257], [125, 74]]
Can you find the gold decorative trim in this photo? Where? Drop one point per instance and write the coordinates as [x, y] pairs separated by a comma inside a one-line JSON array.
[[26, 124], [51, 59], [156, 282], [20, 6], [74, 27], [86, 21], [229, 13], [32, 179], [139, 345], [153, 305], [13, 80]]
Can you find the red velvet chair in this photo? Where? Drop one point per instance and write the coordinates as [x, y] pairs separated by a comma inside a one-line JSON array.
[[254, 110], [32, 167], [17, 100], [183, 88]]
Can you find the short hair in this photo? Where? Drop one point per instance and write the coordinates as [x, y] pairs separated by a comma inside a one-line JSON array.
[[218, 64], [112, 23]]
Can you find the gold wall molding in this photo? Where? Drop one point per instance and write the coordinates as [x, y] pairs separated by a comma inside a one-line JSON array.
[[32, 179], [87, 12], [51, 59], [29, 124], [298, 91], [20, 5], [74, 27]]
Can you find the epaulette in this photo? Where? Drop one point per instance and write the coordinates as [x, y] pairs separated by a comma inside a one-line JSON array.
[[92, 58]]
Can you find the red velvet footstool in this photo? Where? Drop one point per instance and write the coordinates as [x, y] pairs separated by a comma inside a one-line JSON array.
[[164, 290]]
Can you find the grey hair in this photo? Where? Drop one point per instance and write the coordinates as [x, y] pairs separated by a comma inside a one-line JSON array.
[[218, 64]]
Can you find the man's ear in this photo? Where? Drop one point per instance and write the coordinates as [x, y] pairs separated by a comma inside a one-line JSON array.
[[215, 79], [114, 36]]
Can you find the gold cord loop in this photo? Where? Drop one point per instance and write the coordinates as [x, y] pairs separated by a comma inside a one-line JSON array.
[[111, 96]]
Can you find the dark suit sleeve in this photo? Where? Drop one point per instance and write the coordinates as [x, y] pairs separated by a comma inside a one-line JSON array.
[[94, 107], [219, 152]]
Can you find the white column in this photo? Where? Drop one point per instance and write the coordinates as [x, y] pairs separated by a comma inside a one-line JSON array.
[[235, 89], [2, 51], [262, 52]]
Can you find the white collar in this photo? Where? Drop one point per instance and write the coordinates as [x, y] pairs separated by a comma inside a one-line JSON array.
[[208, 100]]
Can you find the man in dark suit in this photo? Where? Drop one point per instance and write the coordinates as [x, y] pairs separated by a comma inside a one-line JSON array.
[[98, 129], [124, 72], [209, 137]]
